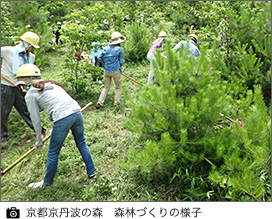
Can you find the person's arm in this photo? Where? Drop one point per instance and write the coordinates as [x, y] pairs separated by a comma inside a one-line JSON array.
[[177, 47], [34, 109], [121, 58], [100, 56], [4, 51], [159, 43], [31, 58], [197, 52]]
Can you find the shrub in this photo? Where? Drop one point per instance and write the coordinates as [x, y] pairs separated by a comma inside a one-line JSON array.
[[137, 42], [180, 116]]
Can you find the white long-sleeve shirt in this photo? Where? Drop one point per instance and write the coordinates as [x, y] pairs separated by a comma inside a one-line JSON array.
[[55, 102], [7, 63]]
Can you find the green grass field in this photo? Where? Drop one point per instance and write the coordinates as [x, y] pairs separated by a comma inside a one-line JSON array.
[[107, 138]]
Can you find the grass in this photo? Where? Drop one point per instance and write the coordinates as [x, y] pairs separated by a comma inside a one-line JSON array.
[[107, 138]]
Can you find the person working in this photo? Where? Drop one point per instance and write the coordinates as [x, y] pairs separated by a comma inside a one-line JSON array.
[[63, 111], [112, 56], [189, 46], [12, 58], [58, 34], [151, 54]]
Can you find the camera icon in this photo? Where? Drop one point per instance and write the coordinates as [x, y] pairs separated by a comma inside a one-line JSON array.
[[13, 212]]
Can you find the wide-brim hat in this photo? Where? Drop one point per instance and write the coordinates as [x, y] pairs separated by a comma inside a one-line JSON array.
[[118, 40]]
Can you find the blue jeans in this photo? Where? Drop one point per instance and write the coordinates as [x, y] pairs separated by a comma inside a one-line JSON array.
[[58, 135]]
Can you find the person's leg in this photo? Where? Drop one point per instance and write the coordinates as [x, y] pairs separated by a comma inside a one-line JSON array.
[[21, 107], [107, 83], [7, 101], [117, 80], [78, 133], [151, 73], [58, 135]]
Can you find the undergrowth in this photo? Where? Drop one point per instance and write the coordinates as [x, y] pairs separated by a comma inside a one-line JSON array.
[[107, 138]]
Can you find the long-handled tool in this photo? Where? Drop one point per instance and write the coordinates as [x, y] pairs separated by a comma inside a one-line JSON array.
[[132, 79], [10, 81], [34, 148], [103, 63]]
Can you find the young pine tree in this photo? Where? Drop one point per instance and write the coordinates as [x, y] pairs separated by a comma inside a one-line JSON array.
[[178, 118]]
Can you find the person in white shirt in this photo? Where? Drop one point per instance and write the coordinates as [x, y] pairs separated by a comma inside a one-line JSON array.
[[12, 58], [63, 111], [189, 46]]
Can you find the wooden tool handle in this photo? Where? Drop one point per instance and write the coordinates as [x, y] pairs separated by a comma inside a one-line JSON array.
[[34, 148]]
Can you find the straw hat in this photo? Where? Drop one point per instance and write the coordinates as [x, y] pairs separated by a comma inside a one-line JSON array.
[[117, 38]]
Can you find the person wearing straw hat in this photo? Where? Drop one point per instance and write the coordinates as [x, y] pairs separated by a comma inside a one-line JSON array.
[[12, 58], [112, 56], [63, 111], [158, 43]]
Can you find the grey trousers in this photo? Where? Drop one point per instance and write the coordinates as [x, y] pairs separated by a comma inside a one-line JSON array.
[[11, 96]]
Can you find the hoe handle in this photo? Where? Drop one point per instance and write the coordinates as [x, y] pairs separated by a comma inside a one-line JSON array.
[[85, 107], [34, 148], [17, 161], [10, 81], [124, 75], [131, 79]]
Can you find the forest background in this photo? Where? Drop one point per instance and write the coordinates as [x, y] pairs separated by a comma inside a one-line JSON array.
[[202, 132]]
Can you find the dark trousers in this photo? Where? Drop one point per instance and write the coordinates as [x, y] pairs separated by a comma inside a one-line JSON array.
[[12, 96], [57, 40]]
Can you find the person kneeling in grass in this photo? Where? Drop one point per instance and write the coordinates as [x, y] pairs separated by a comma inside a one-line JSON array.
[[63, 111]]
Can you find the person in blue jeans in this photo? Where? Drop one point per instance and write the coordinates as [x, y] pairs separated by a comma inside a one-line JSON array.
[[63, 111]]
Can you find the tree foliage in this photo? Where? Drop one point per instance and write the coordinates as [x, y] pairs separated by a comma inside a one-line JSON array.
[[204, 125]]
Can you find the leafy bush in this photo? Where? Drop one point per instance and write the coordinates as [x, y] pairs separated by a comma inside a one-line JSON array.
[[137, 42], [79, 73], [8, 31], [79, 77]]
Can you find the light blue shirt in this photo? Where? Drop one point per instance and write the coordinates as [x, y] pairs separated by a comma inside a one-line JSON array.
[[190, 46], [95, 52], [112, 57]]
